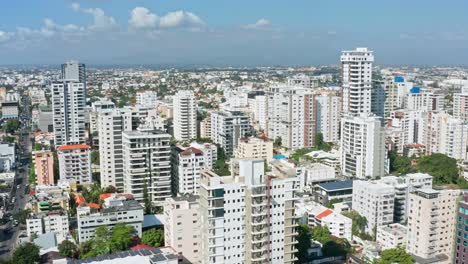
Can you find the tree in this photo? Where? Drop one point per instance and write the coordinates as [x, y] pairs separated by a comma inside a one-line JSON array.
[[320, 144], [107, 241], [300, 153], [442, 168], [22, 215], [8, 139], [400, 164], [68, 249], [95, 157], [26, 253], [359, 225], [304, 243], [146, 199], [395, 255], [121, 237], [278, 142], [11, 126], [321, 234], [153, 237], [336, 247], [220, 167]]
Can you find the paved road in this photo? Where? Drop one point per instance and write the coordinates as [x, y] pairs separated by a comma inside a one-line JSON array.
[[9, 240]]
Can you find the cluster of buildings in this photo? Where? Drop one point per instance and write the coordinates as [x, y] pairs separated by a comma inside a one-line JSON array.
[[169, 150]]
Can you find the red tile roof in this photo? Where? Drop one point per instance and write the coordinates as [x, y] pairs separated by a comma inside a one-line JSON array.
[[324, 214], [191, 150], [94, 205], [79, 199], [71, 147], [141, 246], [104, 196]]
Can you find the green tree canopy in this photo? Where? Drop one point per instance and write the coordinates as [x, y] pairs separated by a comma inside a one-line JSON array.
[[321, 234], [68, 249], [26, 253], [95, 157], [395, 255], [107, 241], [11, 126], [442, 168], [153, 237], [400, 165], [303, 245]]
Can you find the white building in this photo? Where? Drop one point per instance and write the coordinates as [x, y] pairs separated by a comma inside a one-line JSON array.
[[460, 106], [187, 165], [362, 146], [112, 123], [185, 115], [68, 104], [424, 100], [235, 223], [146, 163], [291, 116], [52, 222], [182, 227], [315, 173], [115, 210], [404, 185], [328, 116], [75, 163], [74, 71], [357, 80], [147, 99], [374, 201], [227, 128], [315, 214], [391, 236], [260, 111], [302, 80], [431, 224], [102, 104], [258, 148], [7, 157]]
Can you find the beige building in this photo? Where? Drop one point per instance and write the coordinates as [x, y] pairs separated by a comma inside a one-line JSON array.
[[44, 166], [431, 224], [257, 148], [182, 227], [391, 236]]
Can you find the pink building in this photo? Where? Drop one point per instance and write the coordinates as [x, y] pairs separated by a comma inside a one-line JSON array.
[[44, 167]]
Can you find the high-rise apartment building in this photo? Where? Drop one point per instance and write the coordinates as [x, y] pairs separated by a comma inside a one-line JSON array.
[[248, 217], [185, 115], [44, 165], [357, 80], [187, 165], [374, 201], [147, 165], [291, 116], [182, 227], [75, 163], [112, 123], [460, 106], [431, 224], [68, 103], [258, 148], [227, 128], [328, 116], [362, 146], [74, 71], [260, 111]]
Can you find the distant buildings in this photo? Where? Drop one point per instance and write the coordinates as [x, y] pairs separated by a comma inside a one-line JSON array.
[[44, 167], [147, 98], [185, 115], [362, 146], [75, 163], [328, 116], [146, 165], [10, 110]]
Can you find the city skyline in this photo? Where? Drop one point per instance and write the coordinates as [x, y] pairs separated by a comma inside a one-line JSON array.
[[235, 33]]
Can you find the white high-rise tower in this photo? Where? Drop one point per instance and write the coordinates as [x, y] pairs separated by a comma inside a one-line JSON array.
[[357, 80], [185, 115]]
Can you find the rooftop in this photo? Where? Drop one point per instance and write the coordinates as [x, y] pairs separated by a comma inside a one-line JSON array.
[[336, 185], [72, 147]]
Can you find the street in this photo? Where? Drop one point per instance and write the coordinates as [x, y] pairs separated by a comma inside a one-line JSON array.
[[8, 239]]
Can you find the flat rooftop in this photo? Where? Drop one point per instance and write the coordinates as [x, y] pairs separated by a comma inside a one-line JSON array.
[[336, 185]]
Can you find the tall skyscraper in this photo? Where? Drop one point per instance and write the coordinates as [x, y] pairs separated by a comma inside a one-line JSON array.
[[185, 115], [74, 71], [362, 146], [357, 80], [147, 164], [227, 127], [68, 103]]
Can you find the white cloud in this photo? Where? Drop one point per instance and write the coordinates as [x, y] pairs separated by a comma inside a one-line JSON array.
[[143, 18], [262, 23], [181, 19], [4, 36], [101, 21]]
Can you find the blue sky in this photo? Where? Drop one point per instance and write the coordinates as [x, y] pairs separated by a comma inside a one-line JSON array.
[[241, 32]]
